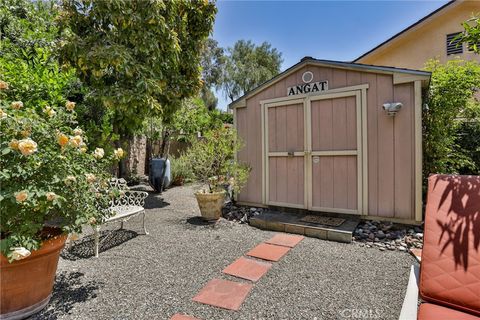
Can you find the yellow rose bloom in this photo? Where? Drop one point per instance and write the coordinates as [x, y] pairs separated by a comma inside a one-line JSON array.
[[49, 111], [3, 85], [13, 144], [51, 196], [119, 153], [90, 177], [69, 180], [76, 141], [78, 132], [83, 147], [21, 196], [27, 147], [62, 139], [98, 153], [69, 105], [17, 105], [19, 253]]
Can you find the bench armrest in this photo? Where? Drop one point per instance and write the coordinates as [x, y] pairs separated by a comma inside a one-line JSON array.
[[410, 302]]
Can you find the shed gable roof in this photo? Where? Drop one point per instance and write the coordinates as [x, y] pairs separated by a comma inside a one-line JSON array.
[[400, 72]]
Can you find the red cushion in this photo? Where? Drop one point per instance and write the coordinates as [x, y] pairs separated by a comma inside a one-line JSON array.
[[450, 268], [430, 311]]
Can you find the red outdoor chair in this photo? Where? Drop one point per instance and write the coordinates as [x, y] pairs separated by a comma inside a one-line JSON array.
[[449, 282]]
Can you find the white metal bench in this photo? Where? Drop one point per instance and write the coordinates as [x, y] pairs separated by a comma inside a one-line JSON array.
[[129, 204]]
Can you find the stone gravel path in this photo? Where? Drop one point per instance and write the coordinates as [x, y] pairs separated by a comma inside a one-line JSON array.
[[156, 276]]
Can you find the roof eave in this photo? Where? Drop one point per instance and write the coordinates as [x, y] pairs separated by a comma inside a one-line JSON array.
[[407, 29], [424, 76]]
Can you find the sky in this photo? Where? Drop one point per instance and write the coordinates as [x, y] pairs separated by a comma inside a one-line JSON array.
[[333, 30]]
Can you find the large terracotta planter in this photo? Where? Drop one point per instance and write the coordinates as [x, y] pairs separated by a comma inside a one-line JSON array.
[[211, 204], [26, 285]]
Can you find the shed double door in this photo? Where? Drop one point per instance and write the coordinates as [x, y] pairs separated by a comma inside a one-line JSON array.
[[313, 153]]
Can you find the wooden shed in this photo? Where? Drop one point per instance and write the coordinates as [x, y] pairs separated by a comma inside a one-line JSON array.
[[318, 137]]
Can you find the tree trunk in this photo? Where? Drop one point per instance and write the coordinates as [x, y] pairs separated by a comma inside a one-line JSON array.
[[123, 140], [148, 155]]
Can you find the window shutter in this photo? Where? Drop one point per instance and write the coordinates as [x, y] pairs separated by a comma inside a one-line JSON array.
[[454, 46]]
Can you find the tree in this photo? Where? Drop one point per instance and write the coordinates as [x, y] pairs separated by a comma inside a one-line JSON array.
[[471, 33], [212, 62], [191, 118], [452, 111], [248, 66], [209, 98], [136, 58]]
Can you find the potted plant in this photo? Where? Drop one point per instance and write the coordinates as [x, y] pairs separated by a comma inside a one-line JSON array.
[[212, 161], [181, 171], [51, 184]]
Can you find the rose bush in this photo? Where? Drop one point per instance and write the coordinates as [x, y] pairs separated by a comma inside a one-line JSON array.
[[48, 174]]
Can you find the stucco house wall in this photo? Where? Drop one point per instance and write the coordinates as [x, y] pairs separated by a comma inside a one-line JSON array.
[[425, 40]]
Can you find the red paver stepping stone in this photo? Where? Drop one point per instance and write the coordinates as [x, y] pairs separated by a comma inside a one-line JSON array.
[[247, 269], [269, 252], [224, 294], [179, 316], [286, 240]]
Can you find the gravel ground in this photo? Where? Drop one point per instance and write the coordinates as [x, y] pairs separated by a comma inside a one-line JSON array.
[[155, 276]]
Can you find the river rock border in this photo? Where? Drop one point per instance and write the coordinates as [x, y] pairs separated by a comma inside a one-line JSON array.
[[386, 235], [383, 235]]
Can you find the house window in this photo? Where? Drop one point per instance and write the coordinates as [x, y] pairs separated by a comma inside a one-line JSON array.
[[454, 45]]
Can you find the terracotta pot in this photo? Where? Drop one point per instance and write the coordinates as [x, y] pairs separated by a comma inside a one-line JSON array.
[[178, 181], [26, 285], [211, 204]]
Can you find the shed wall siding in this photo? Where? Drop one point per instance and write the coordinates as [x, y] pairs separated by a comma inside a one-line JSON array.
[[390, 139]]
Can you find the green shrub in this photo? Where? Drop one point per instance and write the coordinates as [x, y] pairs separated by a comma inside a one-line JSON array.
[[451, 109], [212, 161], [181, 170], [467, 142], [27, 60]]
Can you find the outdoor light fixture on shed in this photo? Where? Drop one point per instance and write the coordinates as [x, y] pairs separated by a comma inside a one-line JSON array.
[[392, 108]]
